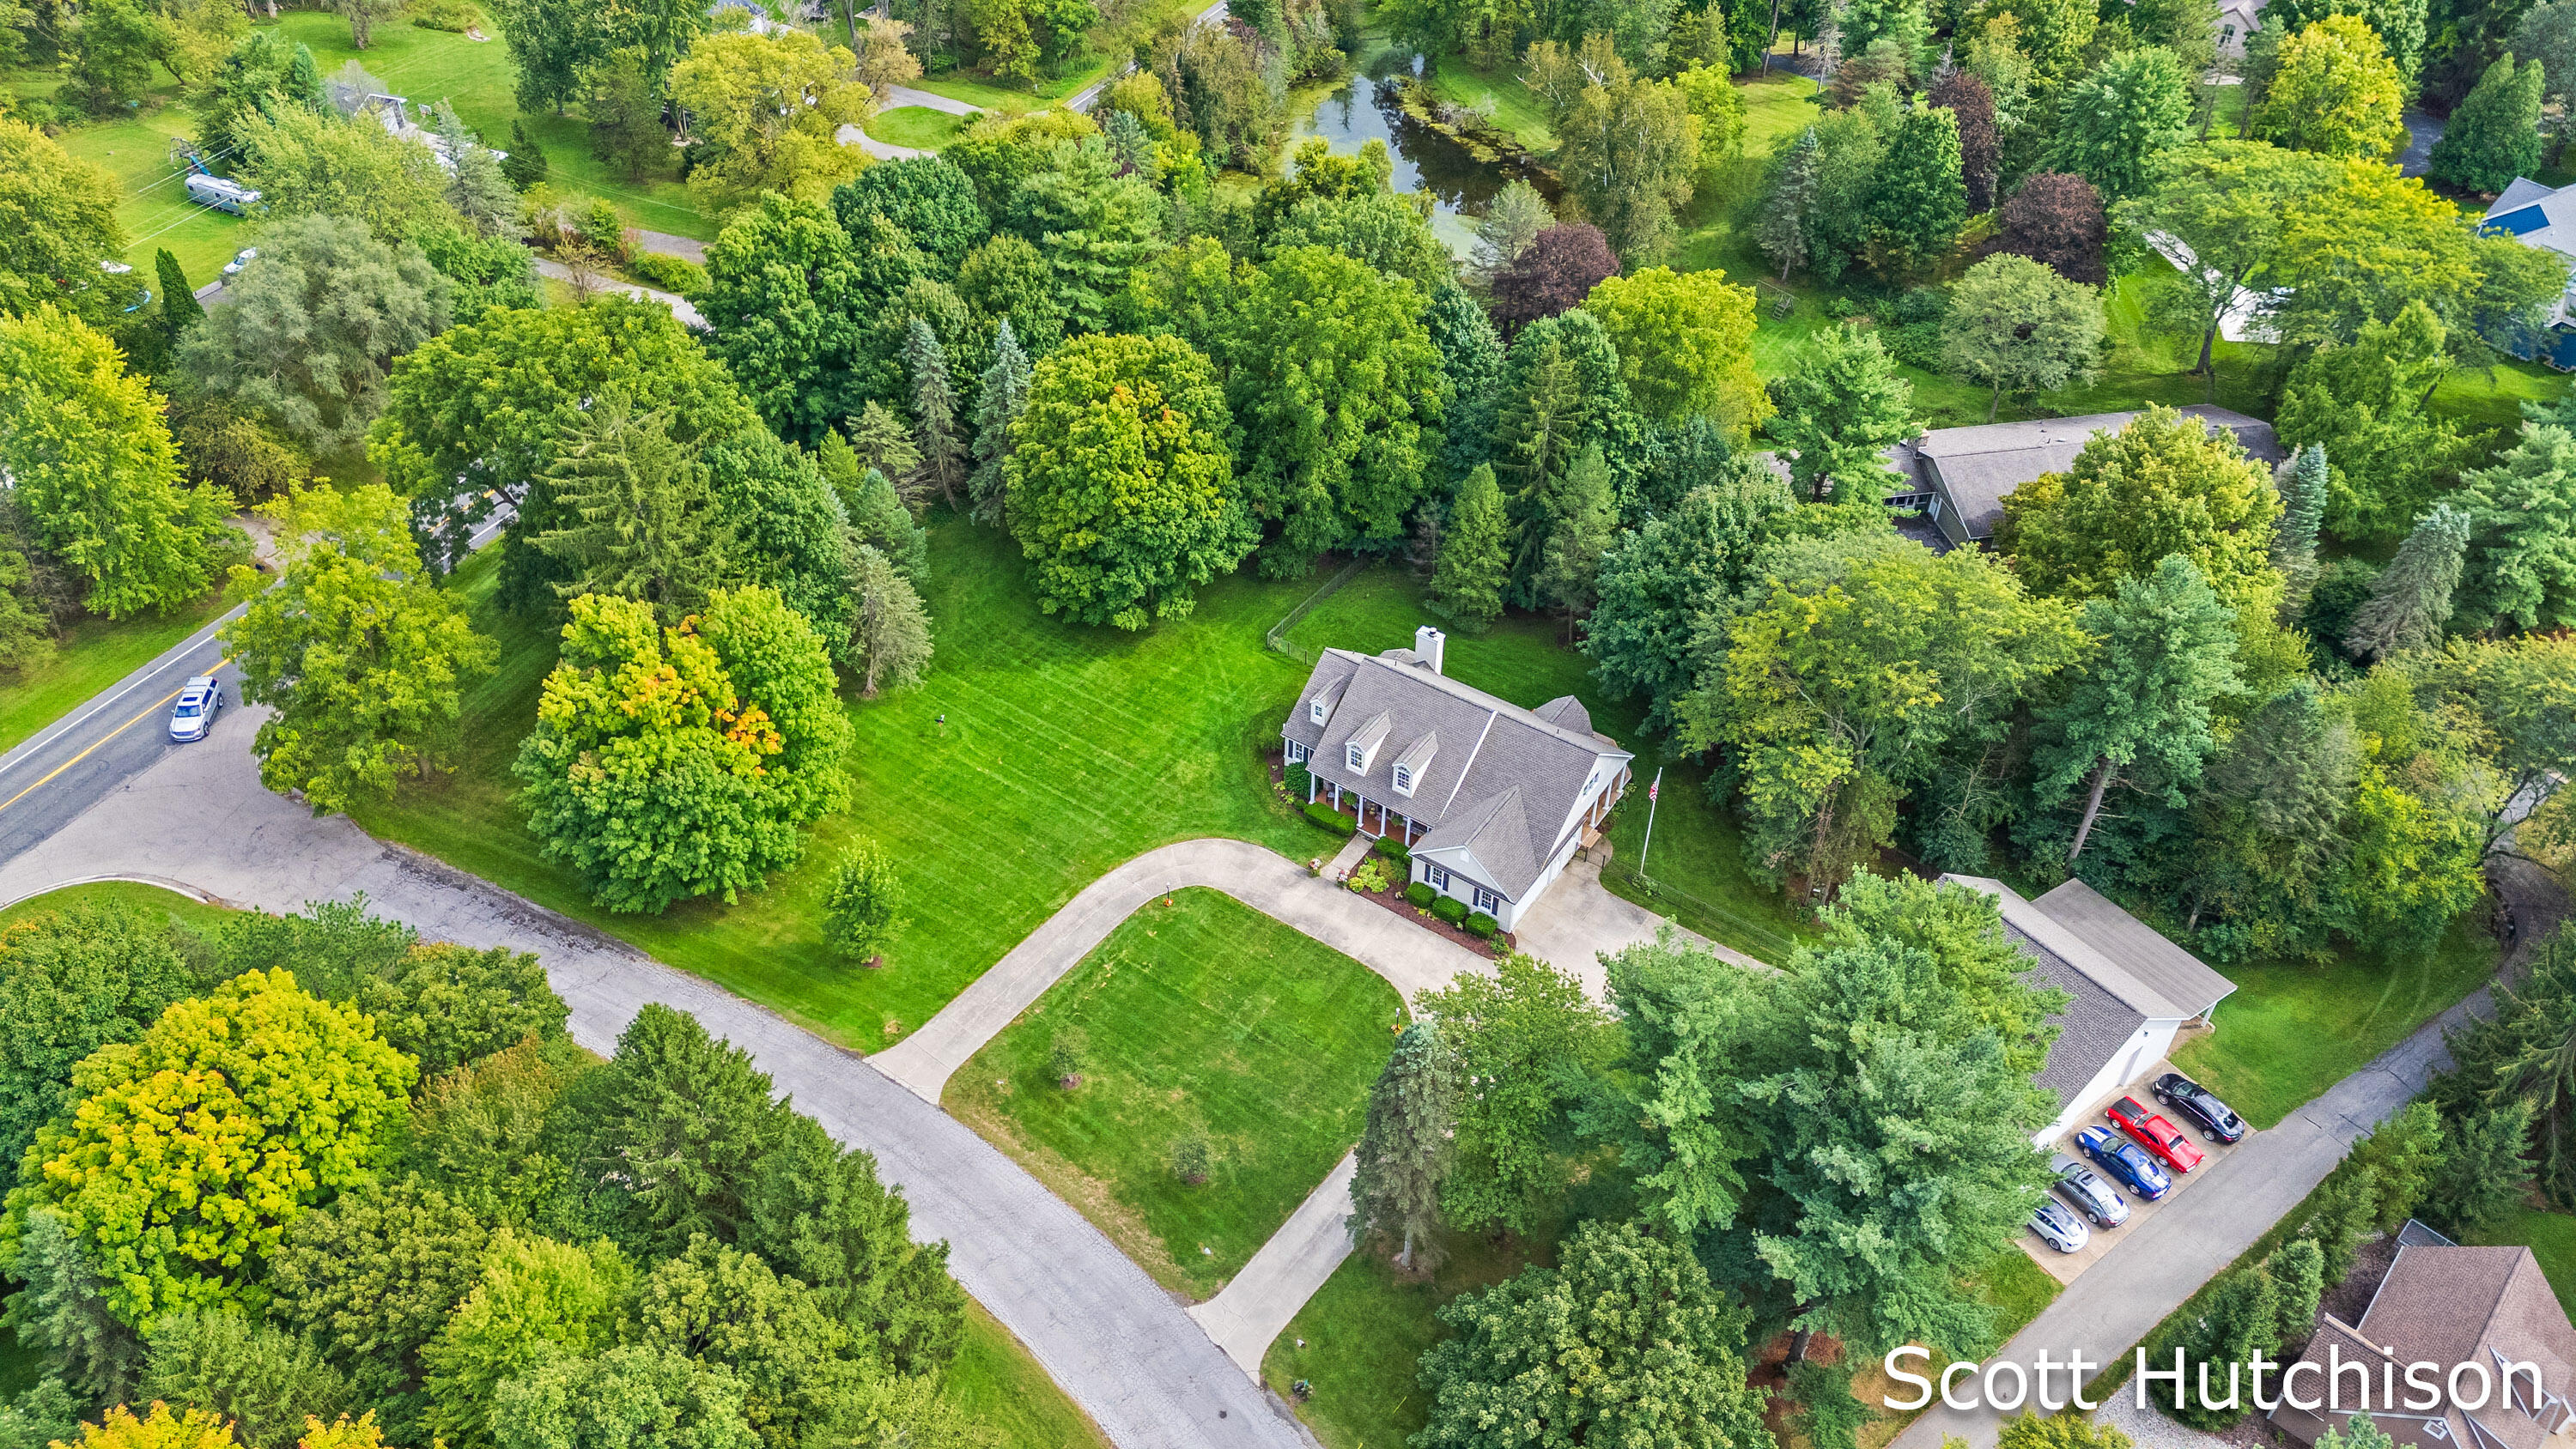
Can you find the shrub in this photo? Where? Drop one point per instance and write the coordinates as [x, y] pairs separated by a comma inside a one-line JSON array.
[[1301, 781], [1331, 819], [670, 273], [1393, 849], [455, 16], [864, 911], [1831, 1415], [1065, 1056], [602, 227], [1190, 1160], [1450, 909], [1420, 893], [1484, 925], [1372, 875]]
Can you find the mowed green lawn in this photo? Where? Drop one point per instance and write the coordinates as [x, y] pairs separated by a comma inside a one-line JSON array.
[[93, 654], [1037, 755], [1202, 1018], [2551, 1237], [182, 910], [2292, 1030], [1697, 853], [919, 127]]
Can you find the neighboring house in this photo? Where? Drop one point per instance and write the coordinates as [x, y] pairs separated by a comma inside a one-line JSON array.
[[2538, 216], [1492, 798], [2130, 990], [2237, 22], [2445, 1305], [1959, 477]]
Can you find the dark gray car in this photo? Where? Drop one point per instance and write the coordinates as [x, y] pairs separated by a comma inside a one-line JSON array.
[[2084, 1187]]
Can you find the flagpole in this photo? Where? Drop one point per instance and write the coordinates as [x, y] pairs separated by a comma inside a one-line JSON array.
[[1651, 792]]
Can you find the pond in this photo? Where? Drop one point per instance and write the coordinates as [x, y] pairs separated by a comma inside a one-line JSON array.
[[1365, 108]]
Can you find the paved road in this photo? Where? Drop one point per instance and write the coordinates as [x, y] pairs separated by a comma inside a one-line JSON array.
[[680, 308], [196, 817]]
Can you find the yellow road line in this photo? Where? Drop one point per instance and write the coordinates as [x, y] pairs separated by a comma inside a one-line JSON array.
[[103, 739]]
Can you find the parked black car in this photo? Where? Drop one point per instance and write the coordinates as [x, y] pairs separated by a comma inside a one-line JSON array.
[[2216, 1120]]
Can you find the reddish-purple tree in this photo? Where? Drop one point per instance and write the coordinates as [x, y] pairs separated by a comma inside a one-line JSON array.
[[2057, 219], [1966, 97], [1553, 274]]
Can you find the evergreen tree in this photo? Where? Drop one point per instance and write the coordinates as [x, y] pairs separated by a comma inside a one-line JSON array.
[[1841, 403], [476, 186], [637, 511], [1471, 370], [890, 632], [934, 410], [61, 1311], [2494, 136], [2484, 1173], [1539, 428], [1511, 222], [2303, 511], [884, 443], [1475, 556], [2522, 523], [2243, 1317], [1404, 1149], [1922, 196], [1782, 231], [2298, 1273], [525, 166], [1583, 522], [2411, 601], [2168, 651], [1005, 393], [864, 911], [179, 304]]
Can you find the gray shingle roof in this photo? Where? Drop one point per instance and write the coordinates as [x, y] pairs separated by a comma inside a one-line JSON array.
[[2091, 1030], [1979, 465], [1486, 749], [2136, 947]]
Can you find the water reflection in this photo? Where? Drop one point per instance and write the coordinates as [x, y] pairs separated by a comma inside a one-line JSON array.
[[1366, 108]]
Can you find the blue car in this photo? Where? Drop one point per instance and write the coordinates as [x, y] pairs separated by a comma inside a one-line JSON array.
[[2126, 1161]]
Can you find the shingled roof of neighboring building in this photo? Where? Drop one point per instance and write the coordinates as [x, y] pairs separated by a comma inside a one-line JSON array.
[[2115, 980], [1506, 783], [2445, 1304], [1979, 465]]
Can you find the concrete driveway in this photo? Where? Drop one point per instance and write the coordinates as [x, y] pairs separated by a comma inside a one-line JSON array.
[[1578, 921], [2066, 1267]]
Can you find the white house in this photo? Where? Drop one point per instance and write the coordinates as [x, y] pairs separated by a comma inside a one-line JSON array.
[[1492, 798], [2130, 990]]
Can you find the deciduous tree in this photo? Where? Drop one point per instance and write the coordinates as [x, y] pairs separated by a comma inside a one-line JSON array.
[[1965, 96], [1555, 272], [864, 911], [2017, 326], [89, 458], [533, 1300], [373, 1277], [2337, 93], [1921, 199], [1513, 1037], [362, 660], [1122, 492], [196, 1145], [2118, 122], [2056, 218], [643, 1395], [2165, 484], [2363, 401], [1685, 343], [678, 762], [2140, 712], [2495, 134], [1665, 582], [60, 217], [1840, 404], [766, 109]]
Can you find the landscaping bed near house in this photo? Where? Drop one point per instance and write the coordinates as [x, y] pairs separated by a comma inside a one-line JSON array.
[[1394, 898], [1200, 1020]]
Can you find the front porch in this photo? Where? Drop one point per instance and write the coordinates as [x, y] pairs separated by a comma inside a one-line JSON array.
[[1374, 818]]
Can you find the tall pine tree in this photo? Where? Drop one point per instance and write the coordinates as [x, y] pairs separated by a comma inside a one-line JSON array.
[[1006, 392], [179, 305], [1404, 1150], [934, 411], [2294, 538], [1782, 231], [638, 511], [2495, 134], [2411, 601], [1584, 521], [890, 632], [1475, 556]]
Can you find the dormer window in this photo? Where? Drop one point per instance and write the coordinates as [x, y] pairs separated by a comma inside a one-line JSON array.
[[1357, 757], [1316, 711], [1404, 780]]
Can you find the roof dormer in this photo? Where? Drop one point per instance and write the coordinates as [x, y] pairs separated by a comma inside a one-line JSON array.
[[1360, 750], [1319, 710], [1408, 766]]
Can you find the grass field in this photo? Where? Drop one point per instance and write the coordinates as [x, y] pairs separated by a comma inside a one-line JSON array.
[[1697, 852], [1515, 109], [182, 910], [1037, 755], [93, 654], [2291, 1031], [919, 127], [2551, 1237], [1202, 1018]]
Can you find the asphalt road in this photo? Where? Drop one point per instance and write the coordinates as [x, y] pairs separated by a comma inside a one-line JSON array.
[[72, 763]]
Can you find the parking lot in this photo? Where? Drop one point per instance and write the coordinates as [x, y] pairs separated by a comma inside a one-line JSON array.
[[2065, 1267]]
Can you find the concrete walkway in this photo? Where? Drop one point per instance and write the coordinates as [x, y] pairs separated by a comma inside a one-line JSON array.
[[850, 135], [1114, 1340], [1410, 958], [1248, 1315], [897, 97]]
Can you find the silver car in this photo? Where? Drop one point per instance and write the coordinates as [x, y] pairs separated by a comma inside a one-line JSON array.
[[2059, 1228], [200, 700], [2084, 1187], [241, 259]]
